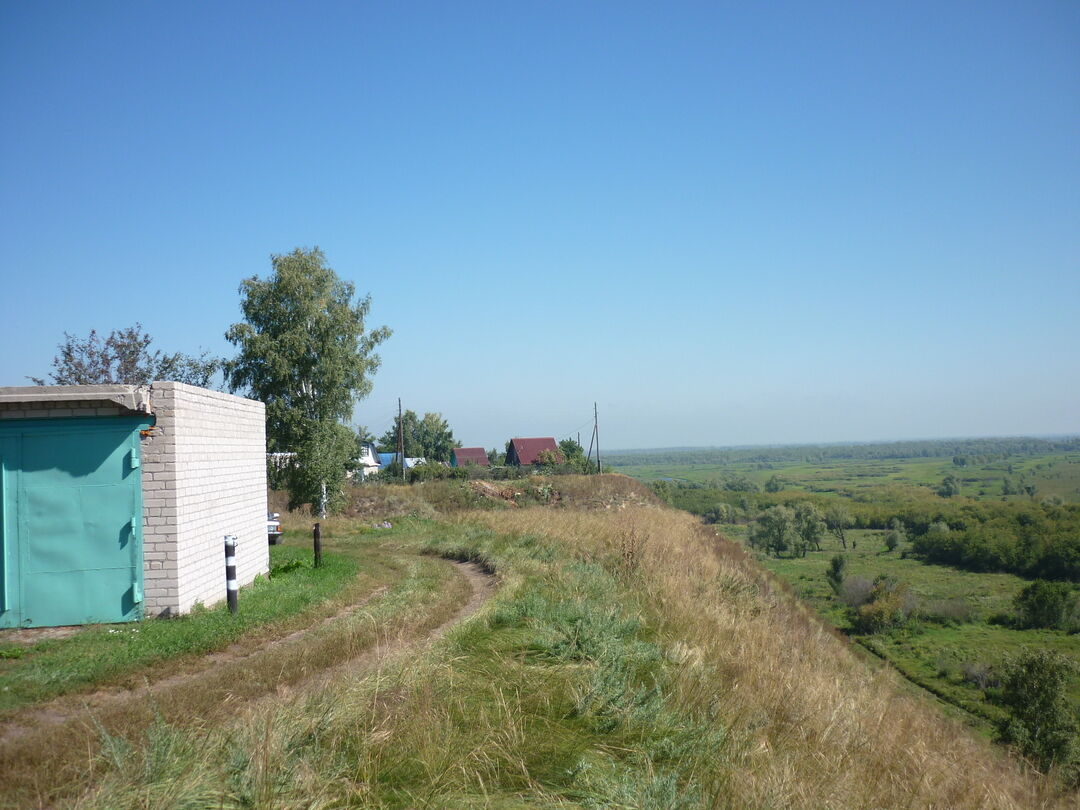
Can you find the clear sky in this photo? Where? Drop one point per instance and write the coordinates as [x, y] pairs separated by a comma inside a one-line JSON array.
[[727, 223]]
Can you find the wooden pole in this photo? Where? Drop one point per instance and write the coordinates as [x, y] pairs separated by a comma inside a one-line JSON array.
[[316, 539], [596, 430], [400, 441]]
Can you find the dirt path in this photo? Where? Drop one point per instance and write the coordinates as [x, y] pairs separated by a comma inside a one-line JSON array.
[[482, 585], [73, 709]]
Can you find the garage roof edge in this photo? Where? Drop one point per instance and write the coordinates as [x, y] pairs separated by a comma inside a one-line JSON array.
[[135, 398]]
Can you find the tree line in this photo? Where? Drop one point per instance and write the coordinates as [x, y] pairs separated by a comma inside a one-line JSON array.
[[969, 451], [1032, 539]]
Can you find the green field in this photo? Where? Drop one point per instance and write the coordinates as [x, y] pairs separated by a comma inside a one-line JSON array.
[[958, 637], [1052, 475], [933, 655]]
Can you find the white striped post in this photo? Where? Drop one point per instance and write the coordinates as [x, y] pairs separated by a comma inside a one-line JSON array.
[[231, 585]]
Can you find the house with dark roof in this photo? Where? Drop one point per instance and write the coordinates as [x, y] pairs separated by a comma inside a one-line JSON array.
[[460, 456], [523, 452]]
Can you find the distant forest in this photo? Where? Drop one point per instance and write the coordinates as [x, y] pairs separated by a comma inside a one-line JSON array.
[[985, 449]]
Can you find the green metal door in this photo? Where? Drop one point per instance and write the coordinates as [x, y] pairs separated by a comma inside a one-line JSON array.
[[72, 522]]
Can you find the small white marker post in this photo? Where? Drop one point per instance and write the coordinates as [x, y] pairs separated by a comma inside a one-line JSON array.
[[231, 586]]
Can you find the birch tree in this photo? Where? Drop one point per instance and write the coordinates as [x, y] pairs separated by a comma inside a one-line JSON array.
[[305, 352]]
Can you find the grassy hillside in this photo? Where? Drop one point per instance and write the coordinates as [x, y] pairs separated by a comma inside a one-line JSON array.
[[629, 658]]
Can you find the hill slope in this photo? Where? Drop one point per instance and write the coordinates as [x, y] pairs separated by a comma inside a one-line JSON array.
[[628, 659]]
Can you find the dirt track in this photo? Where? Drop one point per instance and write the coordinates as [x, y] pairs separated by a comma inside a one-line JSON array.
[[25, 738]]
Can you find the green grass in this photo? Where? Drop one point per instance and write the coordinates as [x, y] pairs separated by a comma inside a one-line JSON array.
[[560, 692], [106, 654], [932, 655], [1056, 474], [604, 672]]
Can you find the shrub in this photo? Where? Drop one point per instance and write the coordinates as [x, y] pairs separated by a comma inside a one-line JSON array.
[[979, 674], [948, 611], [856, 591], [1041, 722], [891, 606], [835, 574], [1045, 604]]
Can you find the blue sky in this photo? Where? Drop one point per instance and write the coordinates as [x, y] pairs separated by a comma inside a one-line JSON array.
[[727, 223]]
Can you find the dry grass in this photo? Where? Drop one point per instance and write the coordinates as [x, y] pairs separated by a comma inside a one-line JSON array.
[[629, 660], [808, 723]]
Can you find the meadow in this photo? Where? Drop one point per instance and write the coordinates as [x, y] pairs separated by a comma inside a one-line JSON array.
[[960, 559], [1052, 474]]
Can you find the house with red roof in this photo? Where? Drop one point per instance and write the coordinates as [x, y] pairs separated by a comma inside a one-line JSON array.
[[460, 456], [523, 452]]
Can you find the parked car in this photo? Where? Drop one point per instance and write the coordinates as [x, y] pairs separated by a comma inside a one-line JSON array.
[[273, 528]]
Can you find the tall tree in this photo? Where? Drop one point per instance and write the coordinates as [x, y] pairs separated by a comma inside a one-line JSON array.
[[574, 455], [809, 524], [428, 437], [125, 358], [774, 526], [838, 521], [305, 352]]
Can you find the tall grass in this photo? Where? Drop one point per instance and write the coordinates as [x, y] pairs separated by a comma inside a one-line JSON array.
[[629, 660]]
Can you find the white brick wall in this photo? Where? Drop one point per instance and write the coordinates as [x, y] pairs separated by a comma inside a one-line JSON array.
[[204, 476]]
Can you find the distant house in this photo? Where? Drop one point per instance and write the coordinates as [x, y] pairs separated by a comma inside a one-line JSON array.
[[460, 456], [386, 459], [523, 452], [368, 459]]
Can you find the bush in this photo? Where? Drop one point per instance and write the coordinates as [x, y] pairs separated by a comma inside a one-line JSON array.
[[1045, 604], [856, 591], [1041, 722], [948, 611], [980, 674], [835, 574], [891, 606]]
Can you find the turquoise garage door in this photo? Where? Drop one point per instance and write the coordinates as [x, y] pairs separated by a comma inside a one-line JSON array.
[[71, 521]]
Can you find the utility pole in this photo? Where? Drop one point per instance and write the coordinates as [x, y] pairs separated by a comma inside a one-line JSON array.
[[400, 441], [596, 433]]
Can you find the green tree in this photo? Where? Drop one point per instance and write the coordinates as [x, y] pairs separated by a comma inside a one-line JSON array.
[[950, 486], [835, 573], [662, 490], [125, 358], [774, 484], [838, 520], [1041, 722], [428, 437], [574, 455], [809, 524], [773, 530], [720, 513], [305, 352], [1045, 604], [895, 535]]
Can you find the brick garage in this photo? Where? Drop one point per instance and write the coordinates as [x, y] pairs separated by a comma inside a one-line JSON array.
[[79, 465], [204, 476]]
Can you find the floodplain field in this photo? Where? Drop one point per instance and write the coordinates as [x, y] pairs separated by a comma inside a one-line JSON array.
[[1052, 474], [962, 555]]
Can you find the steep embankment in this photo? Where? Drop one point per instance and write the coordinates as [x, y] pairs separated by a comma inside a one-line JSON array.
[[628, 659]]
